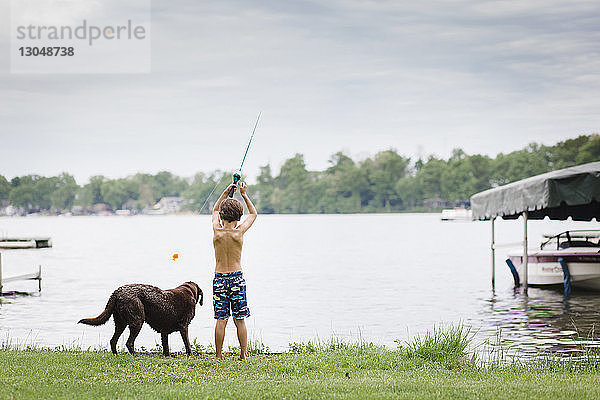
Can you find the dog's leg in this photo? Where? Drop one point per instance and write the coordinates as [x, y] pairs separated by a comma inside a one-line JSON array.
[[134, 330], [119, 328], [165, 343], [186, 340]]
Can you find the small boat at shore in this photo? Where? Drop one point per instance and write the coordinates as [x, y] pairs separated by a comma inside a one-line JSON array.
[[457, 214], [570, 253]]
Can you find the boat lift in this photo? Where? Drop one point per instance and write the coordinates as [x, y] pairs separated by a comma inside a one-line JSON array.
[[32, 276], [571, 192]]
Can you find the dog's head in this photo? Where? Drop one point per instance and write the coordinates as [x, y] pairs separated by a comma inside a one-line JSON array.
[[197, 292]]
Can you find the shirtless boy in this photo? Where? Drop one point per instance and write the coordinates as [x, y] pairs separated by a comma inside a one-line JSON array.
[[229, 286]]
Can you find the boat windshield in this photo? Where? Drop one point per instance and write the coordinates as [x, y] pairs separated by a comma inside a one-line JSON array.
[[567, 239]]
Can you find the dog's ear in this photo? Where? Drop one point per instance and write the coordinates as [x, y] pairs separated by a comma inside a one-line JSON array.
[[200, 296]]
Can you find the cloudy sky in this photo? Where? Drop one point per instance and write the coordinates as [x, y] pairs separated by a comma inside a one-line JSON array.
[[358, 76]]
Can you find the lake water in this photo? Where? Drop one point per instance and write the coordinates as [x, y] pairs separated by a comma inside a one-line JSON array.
[[376, 277]]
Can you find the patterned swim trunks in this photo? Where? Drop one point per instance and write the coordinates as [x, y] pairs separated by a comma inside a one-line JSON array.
[[229, 295]]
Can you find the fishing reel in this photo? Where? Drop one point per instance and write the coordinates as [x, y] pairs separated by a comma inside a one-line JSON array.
[[236, 179]]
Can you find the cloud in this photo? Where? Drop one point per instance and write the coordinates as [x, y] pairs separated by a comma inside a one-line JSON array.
[[361, 75]]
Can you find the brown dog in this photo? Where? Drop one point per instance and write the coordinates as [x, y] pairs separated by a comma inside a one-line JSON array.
[[166, 311]]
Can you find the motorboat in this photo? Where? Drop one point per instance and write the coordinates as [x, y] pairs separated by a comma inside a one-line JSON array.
[[457, 214], [574, 253]]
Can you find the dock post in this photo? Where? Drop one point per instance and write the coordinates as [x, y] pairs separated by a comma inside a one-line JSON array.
[[39, 278], [525, 253], [493, 255], [0, 274]]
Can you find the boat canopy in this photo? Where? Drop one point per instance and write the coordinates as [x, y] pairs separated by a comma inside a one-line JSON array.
[[571, 192]]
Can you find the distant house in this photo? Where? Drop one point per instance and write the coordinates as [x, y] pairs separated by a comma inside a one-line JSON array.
[[101, 209], [166, 205], [11, 211]]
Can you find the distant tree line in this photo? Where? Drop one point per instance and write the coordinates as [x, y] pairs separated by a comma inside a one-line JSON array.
[[386, 182]]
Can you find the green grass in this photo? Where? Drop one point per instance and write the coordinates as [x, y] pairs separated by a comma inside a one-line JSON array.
[[435, 365], [445, 345]]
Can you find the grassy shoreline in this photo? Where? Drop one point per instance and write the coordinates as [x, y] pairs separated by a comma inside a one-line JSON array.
[[307, 371], [434, 365]]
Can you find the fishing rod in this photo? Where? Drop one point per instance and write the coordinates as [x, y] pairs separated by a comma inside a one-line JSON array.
[[237, 175]]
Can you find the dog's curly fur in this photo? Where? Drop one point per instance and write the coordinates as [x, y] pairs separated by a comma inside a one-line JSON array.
[[166, 311]]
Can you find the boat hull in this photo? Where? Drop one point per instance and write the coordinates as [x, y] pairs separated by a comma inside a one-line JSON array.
[[457, 214], [544, 269]]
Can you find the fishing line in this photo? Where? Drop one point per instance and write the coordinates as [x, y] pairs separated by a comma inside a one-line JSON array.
[[211, 193]]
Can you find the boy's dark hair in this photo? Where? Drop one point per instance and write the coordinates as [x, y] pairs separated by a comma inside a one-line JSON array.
[[231, 210]]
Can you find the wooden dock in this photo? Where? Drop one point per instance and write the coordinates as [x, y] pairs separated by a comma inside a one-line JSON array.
[[32, 276], [25, 243]]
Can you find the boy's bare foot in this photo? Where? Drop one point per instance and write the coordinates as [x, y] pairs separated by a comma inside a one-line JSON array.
[[218, 356]]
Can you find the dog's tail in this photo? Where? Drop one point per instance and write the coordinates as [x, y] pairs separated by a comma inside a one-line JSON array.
[[102, 318]]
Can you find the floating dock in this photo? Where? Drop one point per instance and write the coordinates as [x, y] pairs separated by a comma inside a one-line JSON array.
[[25, 243], [26, 277]]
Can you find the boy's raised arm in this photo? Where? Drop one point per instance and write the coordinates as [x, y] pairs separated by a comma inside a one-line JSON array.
[[215, 214], [244, 226]]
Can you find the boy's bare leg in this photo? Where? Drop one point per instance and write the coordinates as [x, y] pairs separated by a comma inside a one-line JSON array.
[[220, 336], [242, 334]]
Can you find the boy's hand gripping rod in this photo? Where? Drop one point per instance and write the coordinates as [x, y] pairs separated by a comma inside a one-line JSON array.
[[237, 175]]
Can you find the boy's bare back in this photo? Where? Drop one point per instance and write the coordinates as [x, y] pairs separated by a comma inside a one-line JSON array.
[[228, 249]]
